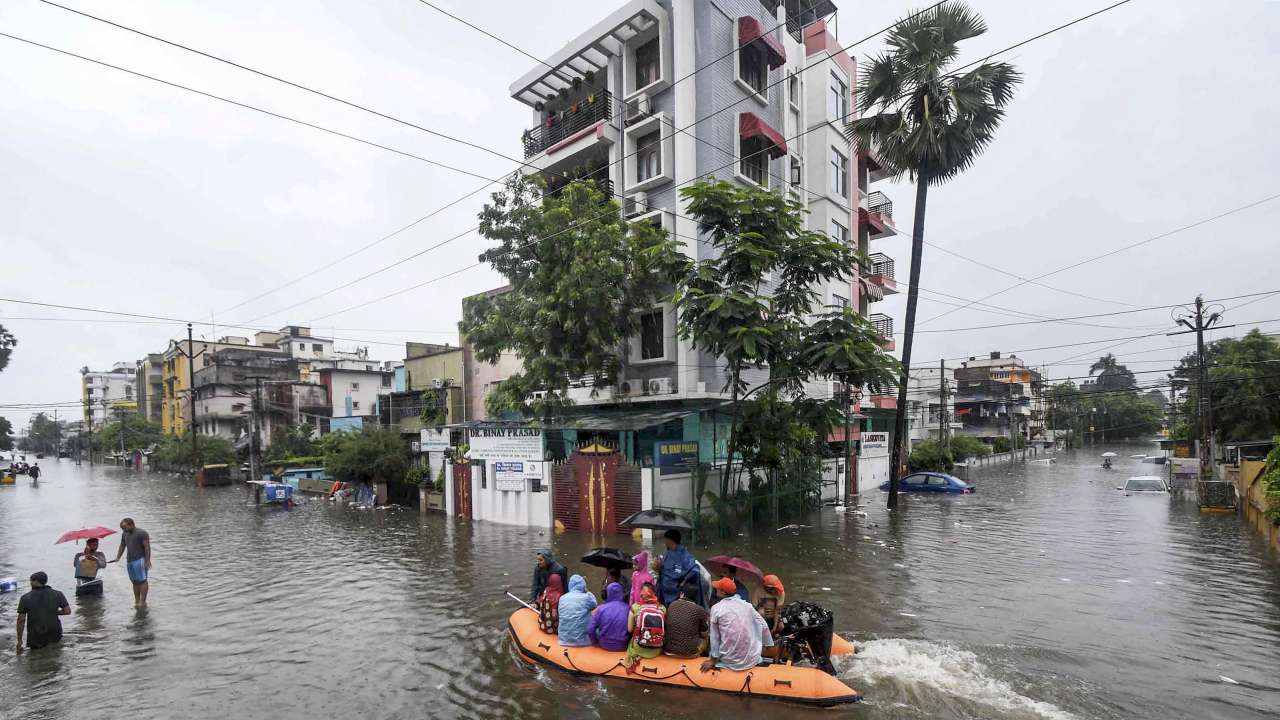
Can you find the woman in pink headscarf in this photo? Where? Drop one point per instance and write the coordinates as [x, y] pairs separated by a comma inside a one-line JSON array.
[[641, 575]]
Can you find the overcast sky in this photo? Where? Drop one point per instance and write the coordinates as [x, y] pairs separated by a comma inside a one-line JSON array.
[[123, 194]]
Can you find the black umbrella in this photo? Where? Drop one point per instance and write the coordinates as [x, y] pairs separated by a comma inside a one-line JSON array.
[[657, 520], [607, 557]]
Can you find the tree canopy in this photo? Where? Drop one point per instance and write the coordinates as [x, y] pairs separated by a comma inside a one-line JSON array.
[[1111, 375], [579, 274], [138, 434], [1244, 377], [371, 454], [7, 343], [6, 434], [291, 441]]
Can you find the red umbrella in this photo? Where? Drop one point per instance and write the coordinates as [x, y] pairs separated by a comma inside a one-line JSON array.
[[721, 561], [85, 534]]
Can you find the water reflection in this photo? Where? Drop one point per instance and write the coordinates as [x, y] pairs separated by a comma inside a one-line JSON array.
[[1045, 594]]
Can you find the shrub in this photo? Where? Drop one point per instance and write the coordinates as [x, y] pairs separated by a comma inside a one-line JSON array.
[[964, 447], [929, 455], [371, 454]]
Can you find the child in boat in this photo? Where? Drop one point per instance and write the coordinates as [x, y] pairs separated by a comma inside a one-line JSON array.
[[646, 623]]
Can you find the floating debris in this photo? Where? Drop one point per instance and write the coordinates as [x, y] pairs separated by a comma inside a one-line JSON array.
[[1228, 680]]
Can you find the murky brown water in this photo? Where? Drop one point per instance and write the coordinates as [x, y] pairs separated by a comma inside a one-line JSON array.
[[1046, 594]]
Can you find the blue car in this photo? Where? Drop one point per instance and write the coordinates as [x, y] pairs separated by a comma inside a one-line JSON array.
[[935, 482]]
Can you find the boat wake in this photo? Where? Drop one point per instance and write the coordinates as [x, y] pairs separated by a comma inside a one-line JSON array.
[[915, 664]]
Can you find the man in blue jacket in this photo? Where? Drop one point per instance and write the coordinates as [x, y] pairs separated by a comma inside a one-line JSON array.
[[575, 612], [679, 568]]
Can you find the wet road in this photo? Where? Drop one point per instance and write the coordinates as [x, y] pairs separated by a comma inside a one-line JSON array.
[[1046, 594]]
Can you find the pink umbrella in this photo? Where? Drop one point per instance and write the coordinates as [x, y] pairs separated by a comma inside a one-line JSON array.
[[85, 534], [720, 561]]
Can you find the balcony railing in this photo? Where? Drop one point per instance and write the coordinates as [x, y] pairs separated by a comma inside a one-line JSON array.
[[879, 203], [603, 184], [881, 264], [557, 125], [883, 324]]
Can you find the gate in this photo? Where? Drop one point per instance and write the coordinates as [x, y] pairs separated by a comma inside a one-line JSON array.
[[593, 490], [462, 489]]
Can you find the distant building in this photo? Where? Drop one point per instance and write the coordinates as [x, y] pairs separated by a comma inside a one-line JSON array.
[[102, 392], [481, 378], [175, 414], [149, 386], [999, 397], [226, 384], [353, 393], [928, 412]]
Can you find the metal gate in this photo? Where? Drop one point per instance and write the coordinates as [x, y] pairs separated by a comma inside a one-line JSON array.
[[462, 489], [593, 490]]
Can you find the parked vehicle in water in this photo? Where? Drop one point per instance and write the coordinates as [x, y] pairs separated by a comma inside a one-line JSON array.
[[1144, 484], [931, 482]]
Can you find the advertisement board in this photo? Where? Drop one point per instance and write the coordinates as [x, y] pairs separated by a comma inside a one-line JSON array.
[[874, 443], [434, 440], [492, 444], [515, 475], [675, 456]]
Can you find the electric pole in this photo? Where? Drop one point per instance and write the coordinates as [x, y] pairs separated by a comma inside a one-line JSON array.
[[191, 356], [1197, 323], [944, 439], [255, 426]]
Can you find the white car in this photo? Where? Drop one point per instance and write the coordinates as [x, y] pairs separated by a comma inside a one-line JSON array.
[[1144, 484]]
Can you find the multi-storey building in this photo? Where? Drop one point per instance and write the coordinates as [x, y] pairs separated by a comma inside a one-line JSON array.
[[931, 403], [996, 397], [663, 93], [175, 409], [102, 393], [149, 386]]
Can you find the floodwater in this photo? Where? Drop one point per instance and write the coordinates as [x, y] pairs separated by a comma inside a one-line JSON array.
[[1045, 594]]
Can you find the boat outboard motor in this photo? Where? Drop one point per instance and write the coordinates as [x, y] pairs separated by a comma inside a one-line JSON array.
[[806, 635]]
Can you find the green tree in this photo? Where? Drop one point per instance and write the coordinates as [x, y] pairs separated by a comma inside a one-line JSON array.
[[930, 125], [291, 441], [176, 450], [138, 432], [43, 435], [7, 343], [964, 447], [929, 455], [6, 434], [729, 309], [579, 274], [1112, 376], [372, 454], [1244, 377]]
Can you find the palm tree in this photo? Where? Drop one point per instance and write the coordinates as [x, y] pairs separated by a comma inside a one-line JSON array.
[[929, 125], [1105, 365]]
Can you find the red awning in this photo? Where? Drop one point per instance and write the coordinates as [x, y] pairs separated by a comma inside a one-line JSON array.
[[749, 31], [750, 125]]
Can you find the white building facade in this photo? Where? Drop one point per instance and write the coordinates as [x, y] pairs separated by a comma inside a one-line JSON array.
[[104, 392]]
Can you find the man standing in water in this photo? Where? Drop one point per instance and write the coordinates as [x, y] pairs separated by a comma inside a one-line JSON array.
[[138, 543], [41, 608]]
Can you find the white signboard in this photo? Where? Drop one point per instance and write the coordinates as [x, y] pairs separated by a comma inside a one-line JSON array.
[[493, 444], [875, 443], [514, 475], [435, 440]]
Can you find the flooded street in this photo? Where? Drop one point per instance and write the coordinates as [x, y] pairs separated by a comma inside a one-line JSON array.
[[1046, 594]]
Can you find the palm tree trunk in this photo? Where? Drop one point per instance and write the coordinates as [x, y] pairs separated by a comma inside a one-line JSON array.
[[896, 459]]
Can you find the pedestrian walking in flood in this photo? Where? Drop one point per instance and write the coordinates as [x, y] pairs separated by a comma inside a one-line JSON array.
[[137, 542], [34, 473], [38, 612]]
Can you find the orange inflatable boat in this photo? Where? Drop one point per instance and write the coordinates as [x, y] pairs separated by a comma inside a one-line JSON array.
[[791, 683]]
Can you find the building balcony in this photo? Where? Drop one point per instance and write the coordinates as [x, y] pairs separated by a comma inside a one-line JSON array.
[[568, 120], [884, 325], [876, 170], [877, 216], [882, 274], [884, 402]]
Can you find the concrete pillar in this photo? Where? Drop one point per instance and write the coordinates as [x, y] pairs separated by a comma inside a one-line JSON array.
[[422, 500], [449, 509], [380, 494]]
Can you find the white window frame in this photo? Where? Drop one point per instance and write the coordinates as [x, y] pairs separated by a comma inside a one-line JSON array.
[[758, 96], [665, 219], [835, 170], [642, 155], [793, 98], [836, 301], [737, 163], [833, 78], [668, 338], [659, 30], [658, 121], [833, 223]]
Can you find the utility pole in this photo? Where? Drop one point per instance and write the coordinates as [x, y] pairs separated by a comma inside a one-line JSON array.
[[191, 356], [944, 438], [120, 422], [847, 401], [1197, 323], [255, 425]]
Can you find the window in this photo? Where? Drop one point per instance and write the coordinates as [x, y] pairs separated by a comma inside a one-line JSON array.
[[793, 89], [355, 386], [753, 68], [839, 174], [839, 232], [797, 171], [317, 347], [649, 156], [839, 301], [648, 65], [302, 346], [652, 335], [837, 99], [754, 163], [355, 406]]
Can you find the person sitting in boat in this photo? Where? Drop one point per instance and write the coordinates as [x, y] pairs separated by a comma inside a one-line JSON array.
[[87, 564], [738, 633], [740, 589], [678, 568], [546, 566], [574, 613], [641, 575], [647, 625], [611, 575], [770, 603], [607, 627], [687, 626], [549, 606]]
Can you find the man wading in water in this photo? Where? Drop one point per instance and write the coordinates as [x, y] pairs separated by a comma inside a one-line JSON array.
[[138, 543]]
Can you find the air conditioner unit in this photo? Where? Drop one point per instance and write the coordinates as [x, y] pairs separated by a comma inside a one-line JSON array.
[[437, 383], [629, 387], [658, 386], [639, 109], [637, 204], [538, 395]]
